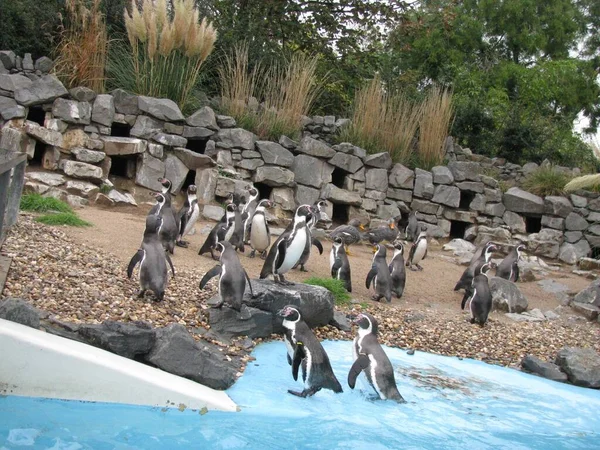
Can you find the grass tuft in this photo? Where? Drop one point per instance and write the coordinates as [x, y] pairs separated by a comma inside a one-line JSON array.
[[585, 182], [336, 287], [546, 180], [63, 218], [435, 122], [36, 203]]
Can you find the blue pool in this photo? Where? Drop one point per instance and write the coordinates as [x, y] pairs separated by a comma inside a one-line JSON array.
[[452, 404]]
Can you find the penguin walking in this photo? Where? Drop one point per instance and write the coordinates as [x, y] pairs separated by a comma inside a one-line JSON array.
[[418, 251], [187, 215], [349, 233], [314, 218], [380, 276], [248, 211], [413, 228], [169, 229], [152, 259], [219, 232], [236, 238], [370, 358], [397, 270], [509, 267], [233, 277], [475, 266], [308, 353], [480, 301], [260, 235], [287, 250], [339, 264]]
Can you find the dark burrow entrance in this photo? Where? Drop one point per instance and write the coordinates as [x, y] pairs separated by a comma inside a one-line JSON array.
[[457, 229], [466, 197], [337, 177], [340, 214], [595, 253], [264, 191], [36, 114], [533, 224], [38, 154], [190, 179], [196, 145], [120, 129], [123, 166]]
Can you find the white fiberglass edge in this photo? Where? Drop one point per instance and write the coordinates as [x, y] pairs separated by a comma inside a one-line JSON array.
[[38, 364]]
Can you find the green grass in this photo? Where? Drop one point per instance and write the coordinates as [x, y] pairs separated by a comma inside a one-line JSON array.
[[336, 287], [105, 189], [37, 203], [63, 218], [546, 181]]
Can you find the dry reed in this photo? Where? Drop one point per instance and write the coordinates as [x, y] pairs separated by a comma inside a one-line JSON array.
[[585, 182], [435, 122]]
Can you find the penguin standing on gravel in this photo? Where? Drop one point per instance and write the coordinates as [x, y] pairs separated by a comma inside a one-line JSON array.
[[168, 230], [418, 251], [165, 190], [152, 259], [413, 228], [248, 211], [380, 276], [480, 301], [188, 215], [233, 277], [308, 353], [339, 264], [509, 267], [370, 358], [237, 235], [475, 266], [219, 231], [397, 270], [314, 218], [260, 235]]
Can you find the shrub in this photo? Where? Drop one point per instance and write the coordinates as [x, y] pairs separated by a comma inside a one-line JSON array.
[[37, 203], [238, 84], [63, 218], [585, 182], [336, 287], [82, 51], [547, 180], [433, 127]]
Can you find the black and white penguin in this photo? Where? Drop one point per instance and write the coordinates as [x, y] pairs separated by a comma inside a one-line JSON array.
[[418, 251], [397, 270], [350, 233], [236, 234], [370, 358], [380, 275], [233, 277], [308, 353], [413, 228], [480, 301], [509, 267], [288, 248], [168, 230], [478, 270], [219, 231], [475, 266], [311, 222], [152, 259], [165, 190], [260, 235], [248, 211], [339, 264], [188, 215], [387, 232]]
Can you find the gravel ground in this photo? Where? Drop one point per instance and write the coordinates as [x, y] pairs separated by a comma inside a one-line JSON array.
[[79, 275]]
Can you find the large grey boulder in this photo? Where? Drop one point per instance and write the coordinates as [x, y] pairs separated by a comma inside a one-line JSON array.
[[347, 162], [82, 94], [207, 178], [401, 177], [506, 296], [176, 352], [376, 179], [574, 222], [103, 111], [381, 160], [249, 164], [81, 188], [514, 221], [545, 243], [497, 234], [125, 103], [471, 186], [311, 171], [543, 369], [161, 108], [42, 134], [251, 322], [13, 82], [341, 196], [442, 175], [196, 133], [274, 176], [446, 195], [176, 171], [236, 138], [346, 147], [275, 154], [385, 212], [582, 366], [283, 197], [404, 195], [19, 311], [226, 186], [51, 179], [465, 170], [204, 117], [149, 170], [125, 339], [494, 209], [571, 253], [590, 294], [114, 145], [315, 303], [314, 147], [146, 127], [520, 201], [83, 170], [14, 140], [424, 206], [306, 195], [478, 203], [193, 160], [423, 184], [88, 156], [170, 140], [557, 206], [42, 90], [44, 64], [10, 110], [8, 59], [556, 223]]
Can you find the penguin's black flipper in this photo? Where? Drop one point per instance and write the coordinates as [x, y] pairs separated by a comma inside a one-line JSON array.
[[134, 261], [372, 273], [280, 256], [469, 294], [336, 266], [210, 274], [249, 283], [361, 363], [318, 244], [516, 272], [299, 355], [170, 264], [411, 254], [289, 359]]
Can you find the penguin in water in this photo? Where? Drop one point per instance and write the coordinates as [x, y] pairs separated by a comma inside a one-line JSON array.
[[380, 275], [314, 218], [168, 230], [188, 215], [152, 259], [233, 277], [509, 267], [475, 266], [339, 264], [397, 270], [308, 353], [260, 235], [370, 358], [480, 303], [418, 251], [219, 232], [287, 250], [413, 228], [248, 211]]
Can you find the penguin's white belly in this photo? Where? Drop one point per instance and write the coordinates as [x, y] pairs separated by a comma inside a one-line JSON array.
[[229, 232], [294, 251], [419, 253], [192, 221], [372, 372], [331, 258], [259, 239], [307, 383]]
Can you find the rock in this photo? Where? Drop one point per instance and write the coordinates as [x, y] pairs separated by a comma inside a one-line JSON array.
[[346, 147], [207, 178], [44, 64], [514, 221], [19, 311], [225, 121], [82, 170], [478, 203], [544, 369], [573, 236], [273, 153], [493, 195], [8, 59], [545, 243], [523, 317], [571, 253], [424, 206], [196, 133], [226, 186], [306, 195], [556, 223], [129, 340], [249, 164], [117, 146], [520, 201], [10, 110], [82, 94], [204, 117], [42, 134], [146, 127], [486, 234], [236, 138], [170, 140], [506, 296], [375, 195], [459, 247], [589, 264], [404, 195], [582, 366], [529, 167], [314, 147], [460, 216], [557, 206], [442, 175], [193, 160], [251, 154], [314, 302], [359, 176], [176, 171], [125, 103], [471, 186], [447, 195], [494, 209], [177, 352], [286, 142], [103, 111], [551, 315], [578, 201], [88, 156], [284, 197], [386, 212], [340, 321], [574, 222], [14, 82], [589, 311], [213, 212], [51, 179], [341, 196], [381, 160], [423, 184], [376, 179], [347, 162], [83, 188], [161, 108], [311, 171], [465, 170], [75, 138], [149, 169], [250, 322], [43, 90], [274, 176]]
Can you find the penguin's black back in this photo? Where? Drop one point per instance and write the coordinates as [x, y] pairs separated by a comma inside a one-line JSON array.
[[398, 274], [384, 371], [481, 305]]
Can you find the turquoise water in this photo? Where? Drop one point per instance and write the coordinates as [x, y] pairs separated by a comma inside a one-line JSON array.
[[452, 404]]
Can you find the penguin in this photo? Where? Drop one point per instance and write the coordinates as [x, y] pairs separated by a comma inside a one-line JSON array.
[[219, 231], [168, 230], [467, 276], [387, 232], [314, 218], [187, 215], [308, 353], [339, 264], [233, 277], [288, 248], [166, 190], [260, 235], [380, 275], [349, 233], [152, 259], [397, 270], [235, 235], [509, 267], [418, 251], [370, 358], [480, 301], [469, 289], [248, 211], [413, 229]]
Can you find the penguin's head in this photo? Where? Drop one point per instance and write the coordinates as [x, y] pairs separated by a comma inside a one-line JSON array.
[[398, 245], [265, 203], [252, 191], [338, 240], [380, 251], [166, 183], [321, 205], [520, 249], [191, 189], [153, 223], [290, 313], [489, 249], [487, 266], [222, 246], [230, 208], [303, 212], [158, 197], [367, 323]]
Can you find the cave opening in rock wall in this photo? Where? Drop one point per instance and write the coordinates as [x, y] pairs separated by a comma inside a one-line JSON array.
[[533, 224], [120, 129], [466, 197], [197, 145], [337, 177], [341, 214], [38, 154], [595, 253], [458, 229], [123, 166], [264, 190], [36, 114], [189, 179]]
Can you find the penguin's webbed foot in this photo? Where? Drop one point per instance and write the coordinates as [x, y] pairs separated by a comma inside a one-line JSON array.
[[412, 268], [419, 267], [183, 244], [306, 392], [302, 268], [263, 255], [252, 254], [141, 293], [471, 320]]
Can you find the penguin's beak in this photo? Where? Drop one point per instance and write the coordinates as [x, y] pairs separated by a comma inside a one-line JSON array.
[[392, 226], [282, 312], [374, 249], [361, 227], [357, 318]]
